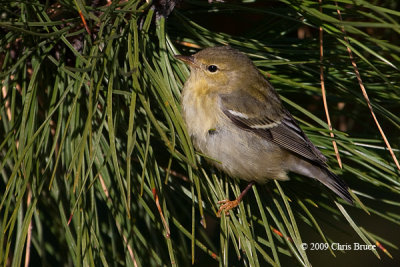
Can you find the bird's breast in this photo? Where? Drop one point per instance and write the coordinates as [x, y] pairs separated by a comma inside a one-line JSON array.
[[200, 111]]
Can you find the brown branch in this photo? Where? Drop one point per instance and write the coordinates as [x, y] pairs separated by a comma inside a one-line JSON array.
[[328, 119], [7, 105], [365, 92], [155, 195]]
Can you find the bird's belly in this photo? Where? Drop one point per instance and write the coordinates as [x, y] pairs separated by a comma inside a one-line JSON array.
[[244, 155]]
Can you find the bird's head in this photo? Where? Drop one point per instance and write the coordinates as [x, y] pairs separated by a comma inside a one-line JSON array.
[[219, 66]]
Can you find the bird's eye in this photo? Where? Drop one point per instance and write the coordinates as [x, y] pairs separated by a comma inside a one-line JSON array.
[[212, 68]]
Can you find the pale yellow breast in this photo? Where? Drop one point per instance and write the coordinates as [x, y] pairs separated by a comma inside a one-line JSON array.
[[200, 109]]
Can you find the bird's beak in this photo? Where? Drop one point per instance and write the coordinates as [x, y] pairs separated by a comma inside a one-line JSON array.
[[186, 59]]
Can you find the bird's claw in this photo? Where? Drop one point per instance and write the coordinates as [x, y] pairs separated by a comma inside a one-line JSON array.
[[226, 206]]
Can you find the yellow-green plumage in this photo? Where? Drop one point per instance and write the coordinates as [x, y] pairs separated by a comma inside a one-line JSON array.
[[235, 116]]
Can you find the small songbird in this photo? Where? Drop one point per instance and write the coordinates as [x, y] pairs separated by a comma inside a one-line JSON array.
[[235, 117]]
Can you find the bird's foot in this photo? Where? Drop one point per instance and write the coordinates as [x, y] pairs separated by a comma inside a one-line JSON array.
[[226, 206]]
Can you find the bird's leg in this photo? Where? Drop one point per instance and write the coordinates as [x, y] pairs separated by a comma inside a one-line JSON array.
[[227, 205]]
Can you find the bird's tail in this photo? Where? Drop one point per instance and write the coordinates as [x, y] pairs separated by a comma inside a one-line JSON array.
[[325, 176], [335, 184]]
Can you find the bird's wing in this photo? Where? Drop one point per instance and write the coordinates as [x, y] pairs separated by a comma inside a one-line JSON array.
[[270, 120]]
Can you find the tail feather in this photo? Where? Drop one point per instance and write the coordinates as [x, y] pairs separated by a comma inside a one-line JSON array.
[[336, 184], [325, 176]]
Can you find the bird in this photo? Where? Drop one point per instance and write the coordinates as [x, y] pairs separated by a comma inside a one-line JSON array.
[[236, 118]]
